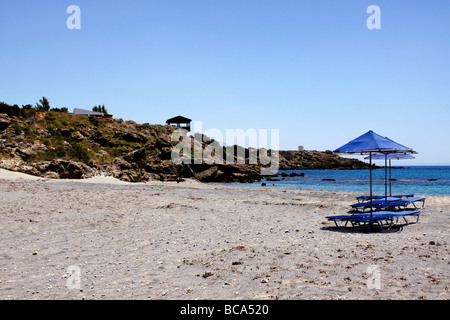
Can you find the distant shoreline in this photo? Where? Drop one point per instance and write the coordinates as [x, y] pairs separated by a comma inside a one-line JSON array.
[[418, 180]]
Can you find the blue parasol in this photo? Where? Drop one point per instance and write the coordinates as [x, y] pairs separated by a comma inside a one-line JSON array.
[[372, 144]]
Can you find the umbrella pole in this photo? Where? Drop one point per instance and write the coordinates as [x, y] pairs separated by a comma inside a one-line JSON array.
[[385, 178], [370, 170], [390, 178]]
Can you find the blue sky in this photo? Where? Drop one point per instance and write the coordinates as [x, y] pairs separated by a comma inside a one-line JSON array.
[[311, 69]]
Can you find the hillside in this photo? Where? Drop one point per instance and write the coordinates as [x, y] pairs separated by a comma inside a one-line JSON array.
[[61, 145], [301, 160]]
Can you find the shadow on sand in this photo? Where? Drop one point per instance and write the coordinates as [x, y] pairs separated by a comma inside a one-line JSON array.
[[373, 229]]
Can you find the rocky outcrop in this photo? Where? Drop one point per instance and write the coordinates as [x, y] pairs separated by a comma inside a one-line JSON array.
[[4, 121], [227, 173], [65, 146], [301, 160], [69, 169], [55, 169]]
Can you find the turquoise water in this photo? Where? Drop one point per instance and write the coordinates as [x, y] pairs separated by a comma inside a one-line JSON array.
[[420, 180]]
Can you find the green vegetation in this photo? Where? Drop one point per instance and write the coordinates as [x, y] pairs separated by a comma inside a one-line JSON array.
[[94, 121], [15, 110], [43, 105], [100, 108], [61, 135], [64, 110]]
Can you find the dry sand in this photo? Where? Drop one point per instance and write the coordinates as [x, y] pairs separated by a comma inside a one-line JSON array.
[[105, 239]]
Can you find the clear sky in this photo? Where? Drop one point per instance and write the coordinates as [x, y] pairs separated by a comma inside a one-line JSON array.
[[311, 69]]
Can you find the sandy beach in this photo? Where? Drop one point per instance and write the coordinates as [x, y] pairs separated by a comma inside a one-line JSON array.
[[105, 239]]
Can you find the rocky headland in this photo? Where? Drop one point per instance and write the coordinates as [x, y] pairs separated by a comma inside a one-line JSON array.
[[60, 145]]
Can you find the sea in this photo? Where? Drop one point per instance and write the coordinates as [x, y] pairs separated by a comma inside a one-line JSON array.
[[417, 180]]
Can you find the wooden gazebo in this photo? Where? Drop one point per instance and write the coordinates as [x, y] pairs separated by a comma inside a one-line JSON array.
[[180, 122]]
